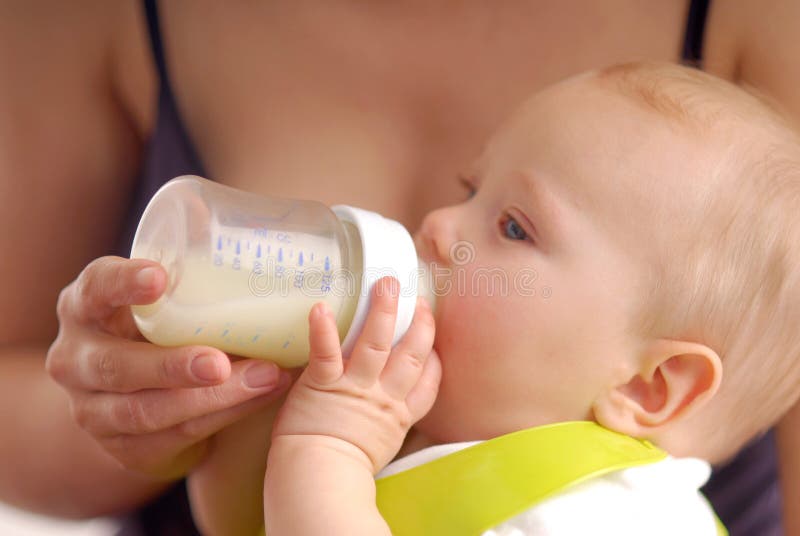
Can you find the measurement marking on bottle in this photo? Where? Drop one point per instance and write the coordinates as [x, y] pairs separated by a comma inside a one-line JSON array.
[[254, 338], [238, 247], [285, 345], [219, 243], [198, 330], [327, 264], [300, 259], [280, 254], [325, 283], [258, 251], [224, 333]]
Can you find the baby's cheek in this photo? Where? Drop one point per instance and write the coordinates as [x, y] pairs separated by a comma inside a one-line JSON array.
[[471, 348]]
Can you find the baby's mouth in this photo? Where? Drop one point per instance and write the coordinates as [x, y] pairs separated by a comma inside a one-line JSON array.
[[431, 284]]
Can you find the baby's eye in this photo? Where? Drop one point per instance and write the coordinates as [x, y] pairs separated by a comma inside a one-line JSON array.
[[512, 229], [470, 187]]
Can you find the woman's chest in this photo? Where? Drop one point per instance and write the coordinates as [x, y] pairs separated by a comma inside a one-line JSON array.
[[381, 104]]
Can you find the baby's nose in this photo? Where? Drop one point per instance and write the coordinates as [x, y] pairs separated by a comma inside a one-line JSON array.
[[435, 237]]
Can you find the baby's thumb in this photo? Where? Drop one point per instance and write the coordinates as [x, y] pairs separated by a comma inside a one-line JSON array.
[[422, 396]]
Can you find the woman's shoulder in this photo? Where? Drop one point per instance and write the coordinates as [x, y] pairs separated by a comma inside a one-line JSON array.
[[73, 117], [65, 54], [754, 42]]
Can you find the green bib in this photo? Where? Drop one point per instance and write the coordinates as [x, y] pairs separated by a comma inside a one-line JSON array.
[[474, 489]]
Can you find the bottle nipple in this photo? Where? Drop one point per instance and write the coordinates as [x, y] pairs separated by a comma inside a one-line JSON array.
[[426, 287]]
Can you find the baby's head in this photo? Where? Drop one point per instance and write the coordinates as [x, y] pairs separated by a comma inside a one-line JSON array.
[[629, 256]]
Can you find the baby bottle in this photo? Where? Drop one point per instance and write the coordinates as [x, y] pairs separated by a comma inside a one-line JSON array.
[[245, 270]]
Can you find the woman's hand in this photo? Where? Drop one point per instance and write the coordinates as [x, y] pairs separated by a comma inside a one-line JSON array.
[[371, 400], [152, 408]]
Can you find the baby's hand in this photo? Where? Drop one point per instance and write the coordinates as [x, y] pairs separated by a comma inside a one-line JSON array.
[[371, 400]]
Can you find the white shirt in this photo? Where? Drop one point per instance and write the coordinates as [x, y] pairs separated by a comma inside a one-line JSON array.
[[660, 498]]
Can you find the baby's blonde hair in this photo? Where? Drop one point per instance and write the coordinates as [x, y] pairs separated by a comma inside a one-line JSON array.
[[736, 285]]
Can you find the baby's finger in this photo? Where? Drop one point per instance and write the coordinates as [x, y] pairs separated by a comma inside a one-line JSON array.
[[325, 352], [375, 341], [407, 360], [423, 394]]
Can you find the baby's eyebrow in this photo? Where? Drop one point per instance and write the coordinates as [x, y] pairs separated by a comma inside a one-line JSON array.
[[546, 210]]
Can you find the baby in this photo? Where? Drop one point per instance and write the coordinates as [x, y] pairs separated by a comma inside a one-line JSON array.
[[630, 245], [654, 209]]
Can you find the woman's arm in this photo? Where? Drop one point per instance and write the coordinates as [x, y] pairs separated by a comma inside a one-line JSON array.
[[73, 109], [68, 155], [788, 440]]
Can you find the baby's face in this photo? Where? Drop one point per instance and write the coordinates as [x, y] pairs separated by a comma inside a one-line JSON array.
[[540, 271]]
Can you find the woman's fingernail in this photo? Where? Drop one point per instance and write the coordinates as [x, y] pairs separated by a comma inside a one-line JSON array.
[[146, 276], [261, 375], [206, 368]]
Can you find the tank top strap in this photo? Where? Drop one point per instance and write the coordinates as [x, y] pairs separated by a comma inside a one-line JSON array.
[[169, 151], [156, 44], [695, 33]]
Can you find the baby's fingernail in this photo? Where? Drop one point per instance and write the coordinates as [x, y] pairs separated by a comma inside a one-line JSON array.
[[146, 276], [206, 368], [423, 302], [387, 285], [261, 375], [318, 311], [322, 309]]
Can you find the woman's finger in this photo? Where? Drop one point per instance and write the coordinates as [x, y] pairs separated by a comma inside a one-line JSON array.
[[407, 359], [145, 412], [172, 452], [325, 352], [375, 341], [107, 363], [108, 283]]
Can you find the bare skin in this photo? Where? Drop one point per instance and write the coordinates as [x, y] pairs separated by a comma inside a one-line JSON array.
[[377, 105]]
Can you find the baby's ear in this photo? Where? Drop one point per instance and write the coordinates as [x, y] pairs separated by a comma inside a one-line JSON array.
[[674, 379]]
